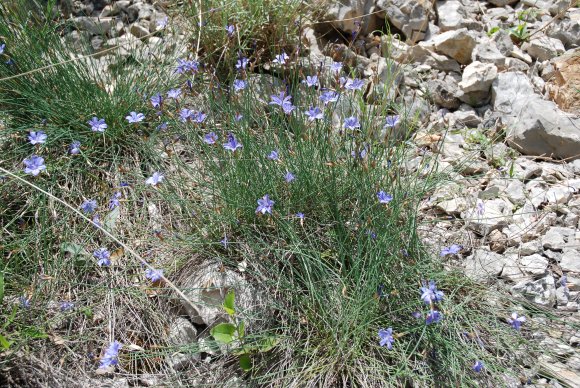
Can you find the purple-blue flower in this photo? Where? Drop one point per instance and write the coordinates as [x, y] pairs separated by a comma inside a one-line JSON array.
[[104, 257], [314, 114], [478, 366], [114, 201], [111, 356], [174, 93], [89, 206], [238, 117], [386, 337], [480, 207], [281, 100], [281, 58], [230, 30], [300, 215], [289, 177], [75, 147], [384, 197], [354, 84], [37, 137], [184, 66], [185, 114], [198, 117], [232, 144], [430, 293], [433, 316], [97, 125], [66, 306], [162, 23], [329, 96], [336, 67], [154, 274], [516, 321], [156, 100], [416, 314], [351, 123], [135, 117], [96, 221], [391, 121], [452, 250], [210, 138], [239, 84], [265, 205], [2, 48], [311, 80], [225, 241], [155, 179], [242, 63], [34, 165], [273, 155], [24, 302]]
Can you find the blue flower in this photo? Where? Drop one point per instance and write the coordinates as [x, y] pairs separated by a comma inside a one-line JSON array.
[[238, 117], [174, 93], [273, 155], [156, 100], [386, 337], [97, 125], [300, 215], [75, 147], [433, 316], [154, 275], [354, 84], [480, 207], [351, 123], [265, 205], [239, 84], [34, 165], [66, 306], [155, 179], [24, 302], [336, 67], [478, 366], [111, 357], [430, 293], [162, 126], [135, 117], [232, 144], [185, 114], [242, 63], [162, 23], [198, 117], [2, 48], [281, 58], [230, 30], [103, 255], [184, 66], [289, 177], [371, 234], [384, 197], [37, 137], [210, 138], [225, 241], [363, 153], [416, 314], [89, 206], [311, 80], [114, 201], [516, 321], [96, 221], [391, 121], [452, 250], [281, 100], [329, 96], [314, 114]]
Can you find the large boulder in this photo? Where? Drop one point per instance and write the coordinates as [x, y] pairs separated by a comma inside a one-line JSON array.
[[457, 44], [534, 126], [353, 15], [409, 16]]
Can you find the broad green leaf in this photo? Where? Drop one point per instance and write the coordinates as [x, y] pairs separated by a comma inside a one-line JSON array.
[[4, 344], [74, 249], [241, 329], [224, 333], [246, 362], [229, 302], [111, 219]]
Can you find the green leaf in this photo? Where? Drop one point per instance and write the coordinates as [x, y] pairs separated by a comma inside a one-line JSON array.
[[246, 362], [111, 219], [229, 302], [4, 344], [267, 344], [74, 249], [224, 333], [241, 329]]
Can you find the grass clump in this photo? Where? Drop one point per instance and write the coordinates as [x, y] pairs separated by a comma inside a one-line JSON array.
[[320, 210]]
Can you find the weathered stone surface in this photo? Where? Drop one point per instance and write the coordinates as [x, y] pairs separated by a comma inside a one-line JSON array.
[[565, 83], [347, 14], [534, 264], [478, 77], [535, 126], [487, 265], [541, 291], [570, 260], [497, 213], [181, 335], [443, 92], [453, 14], [457, 44], [544, 48], [409, 16]]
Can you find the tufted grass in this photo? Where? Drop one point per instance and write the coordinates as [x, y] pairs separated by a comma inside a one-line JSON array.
[[319, 276]]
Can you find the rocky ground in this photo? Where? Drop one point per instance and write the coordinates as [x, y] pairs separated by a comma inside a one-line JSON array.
[[493, 87]]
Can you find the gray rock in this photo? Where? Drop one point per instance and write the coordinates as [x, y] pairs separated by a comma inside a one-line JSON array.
[[466, 117], [541, 291], [497, 213], [422, 53], [562, 295], [478, 77], [502, 3], [566, 30], [536, 126], [94, 25], [443, 92], [557, 238], [570, 260], [544, 48], [457, 44], [534, 264], [454, 15], [503, 42], [409, 16], [138, 30], [485, 265], [345, 15], [530, 248], [486, 51], [182, 334], [515, 65]]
